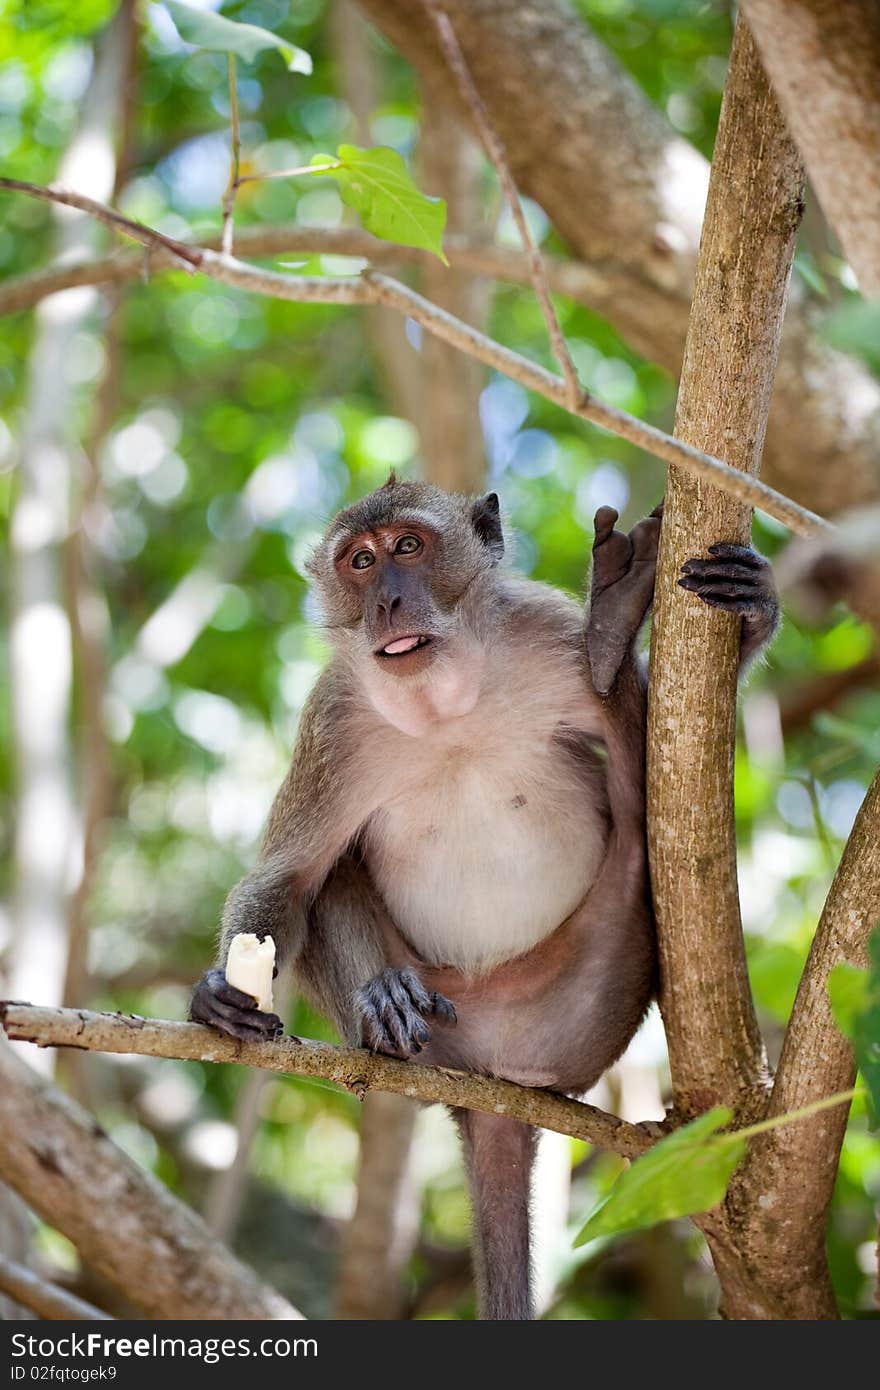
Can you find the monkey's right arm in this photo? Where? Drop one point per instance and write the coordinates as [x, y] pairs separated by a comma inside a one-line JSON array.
[[316, 815]]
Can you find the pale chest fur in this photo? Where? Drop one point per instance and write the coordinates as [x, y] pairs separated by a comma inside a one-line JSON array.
[[494, 832]]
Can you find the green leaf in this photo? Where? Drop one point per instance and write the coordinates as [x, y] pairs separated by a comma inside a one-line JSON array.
[[377, 184], [831, 726], [685, 1173], [868, 1032], [212, 31], [848, 992], [855, 1003], [855, 327]]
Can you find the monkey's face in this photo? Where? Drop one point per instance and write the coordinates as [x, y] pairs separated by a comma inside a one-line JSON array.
[[392, 571]]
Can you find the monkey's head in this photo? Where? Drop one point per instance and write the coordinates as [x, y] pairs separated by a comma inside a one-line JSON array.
[[392, 570]]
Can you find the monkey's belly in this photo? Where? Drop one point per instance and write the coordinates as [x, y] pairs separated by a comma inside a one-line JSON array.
[[490, 871]]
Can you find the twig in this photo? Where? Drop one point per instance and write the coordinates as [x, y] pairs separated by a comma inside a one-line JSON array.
[[290, 173], [147, 236], [350, 1067], [497, 154], [233, 184], [592, 286], [52, 1303], [373, 288]]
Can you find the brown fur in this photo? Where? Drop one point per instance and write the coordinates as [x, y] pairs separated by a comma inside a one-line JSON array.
[[450, 865]]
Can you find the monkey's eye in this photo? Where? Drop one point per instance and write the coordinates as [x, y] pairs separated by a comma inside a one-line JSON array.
[[362, 560], [408, 545]]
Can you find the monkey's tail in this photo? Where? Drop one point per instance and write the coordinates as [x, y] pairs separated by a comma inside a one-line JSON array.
[[499, 1154]]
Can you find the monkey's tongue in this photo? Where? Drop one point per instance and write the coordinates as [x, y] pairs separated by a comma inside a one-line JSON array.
[[403, 644]]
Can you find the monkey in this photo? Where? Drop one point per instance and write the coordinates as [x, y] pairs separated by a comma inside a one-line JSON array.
[[456, 864]]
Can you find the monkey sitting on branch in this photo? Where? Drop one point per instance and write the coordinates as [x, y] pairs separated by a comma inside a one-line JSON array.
[[456, 865]]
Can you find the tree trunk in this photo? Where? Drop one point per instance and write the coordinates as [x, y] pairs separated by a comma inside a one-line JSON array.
[[123, 1221], [381, 1235], [777, 1206], [748, 241], [823, 58], [715, 1048]]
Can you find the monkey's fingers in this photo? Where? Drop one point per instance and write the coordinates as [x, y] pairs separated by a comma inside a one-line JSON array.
[[736, 579], [219, 1005], [393, 1007], [228, 994]]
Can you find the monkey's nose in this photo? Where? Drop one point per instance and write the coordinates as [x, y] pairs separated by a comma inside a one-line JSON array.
[[386, 606]]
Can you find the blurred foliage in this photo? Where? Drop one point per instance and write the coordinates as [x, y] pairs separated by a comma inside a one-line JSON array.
[[241, 425]]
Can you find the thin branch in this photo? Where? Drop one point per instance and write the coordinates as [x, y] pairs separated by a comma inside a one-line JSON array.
[[235, 161], [49, 1301], [290, 173], [147, 236], [497, 154], [593, 286], [373, 288], [352, 1068]]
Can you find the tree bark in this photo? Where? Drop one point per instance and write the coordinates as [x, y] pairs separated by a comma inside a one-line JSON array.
[[123, 1221], [754, 207], [823, 58], [48, 1301], [357, 1070], [627, 194], [380, 1238], [778, 1202]]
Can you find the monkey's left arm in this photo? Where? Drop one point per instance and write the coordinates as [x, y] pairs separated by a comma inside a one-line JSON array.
[[736, 579]]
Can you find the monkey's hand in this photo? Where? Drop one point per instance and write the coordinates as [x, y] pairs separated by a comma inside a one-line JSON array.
[[738, 580], [393, 1007], [621, 591], [219, 1004]]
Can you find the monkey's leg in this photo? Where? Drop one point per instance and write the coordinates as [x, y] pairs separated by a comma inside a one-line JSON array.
[[499, 1154], [738, 580], [345, 967]]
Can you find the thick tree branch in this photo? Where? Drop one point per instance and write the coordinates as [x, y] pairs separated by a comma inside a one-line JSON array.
[[350, 1067], [124, 1222], [619, 183], [780, 1197], [48, 1301], [373, 288], [823, 58], [752, 217]]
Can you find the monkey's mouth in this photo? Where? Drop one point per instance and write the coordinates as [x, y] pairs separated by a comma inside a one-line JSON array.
[[402, 646]]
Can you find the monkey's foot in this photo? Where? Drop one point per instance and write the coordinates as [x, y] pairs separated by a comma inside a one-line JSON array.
[[230, 1010], [393, 1007], [738, 580], [621, 591]]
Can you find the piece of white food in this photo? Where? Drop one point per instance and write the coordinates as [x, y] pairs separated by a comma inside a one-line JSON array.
[[250, 965]]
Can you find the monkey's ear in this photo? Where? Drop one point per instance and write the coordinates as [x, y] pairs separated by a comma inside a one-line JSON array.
[[486, 517]]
